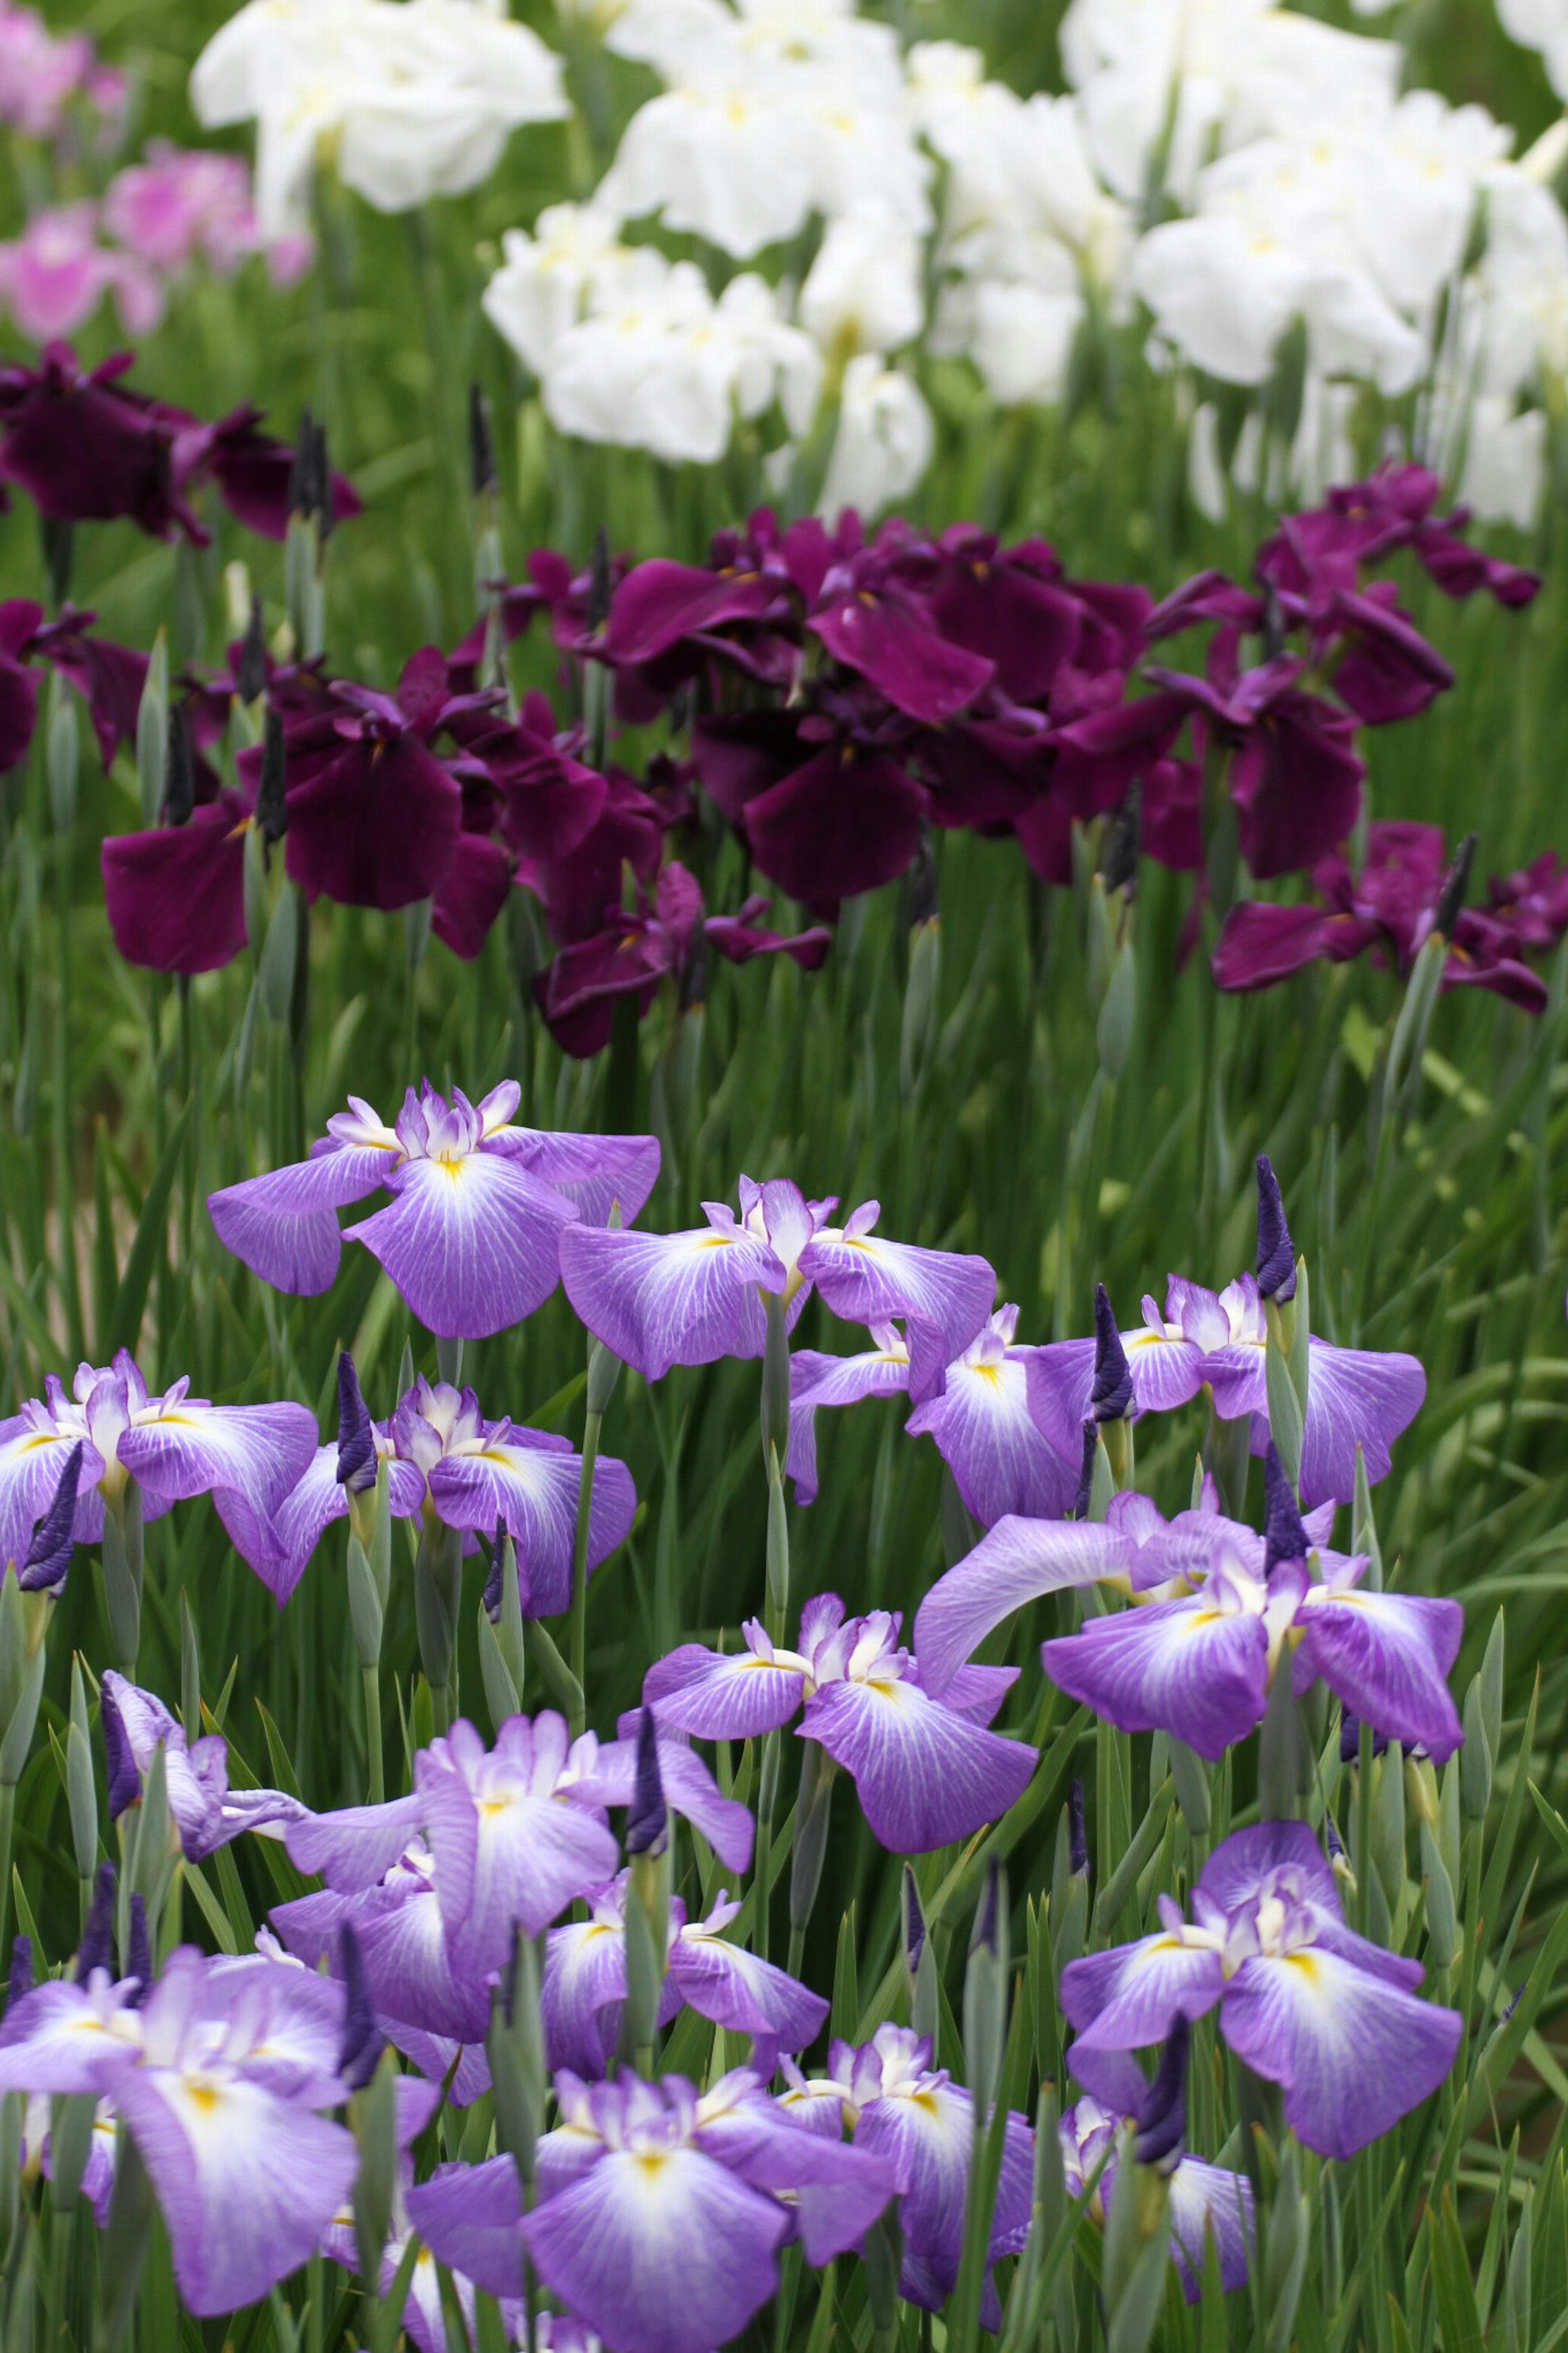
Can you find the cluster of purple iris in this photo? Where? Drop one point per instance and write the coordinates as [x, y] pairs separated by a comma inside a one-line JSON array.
[[835, 698], [656, 2211]]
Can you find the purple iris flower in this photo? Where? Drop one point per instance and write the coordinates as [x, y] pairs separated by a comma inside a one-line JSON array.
[[423, 2320], [980, 1420], [1219, 1340], [661, 2209], [446, 1462], [657, 1299], [899, 2106], [206, 1813], [172, 1446], [668, 940], [1306, 2002], [927, 1770], [472, 1236], [1388, 910], [1202, 2198], [218, 2076], [585, 1983], [1213, 1619]]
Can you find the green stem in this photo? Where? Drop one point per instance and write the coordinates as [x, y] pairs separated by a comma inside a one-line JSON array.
[[372, 1740], [592, 1424], [7, 1832]]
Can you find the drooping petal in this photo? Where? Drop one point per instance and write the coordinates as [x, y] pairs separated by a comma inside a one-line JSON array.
[[473, 1245], [403, 1942], [1019, 1561], [529, 1483], [1354, 1395], [926, 1775], [929, 2137], [282, 1224], [69, 2039], [943, 1296], [33, 1454], [356, 1845], [584, 1977], [719, 1695], [1388, 1656], [1129, 1998], [1002, 1462], [468, 2217], [838, 2188], [817, 1379], [506, 1848], [657, 1299], [246, 2182], [660, 2251], [187, 1449], [688, 1788], [1206, 2198], [1061, 1378], [176, 895], [596, 1174], [1183, 1667], [736, 1989], [1353, 2053]]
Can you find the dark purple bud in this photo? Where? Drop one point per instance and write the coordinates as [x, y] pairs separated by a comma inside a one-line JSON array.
[[250, 671], [1078, 1836], [50, 1553], [1276, 1252], [493, 1582], [96, 1950], [179, 769], [1161, 2118], [19, 1983], [1118, 869], [914, 1921], [1331, 1838], [139, 1950], [323, 504], [299, 492], [1456, 883], [121, 1769], [923, 900], [482, 473], [694, 972], [357, 1433], [1284, 1537], [363, 2040], [647, 1821], [1513, 2005], [599, 585], [988, 1918], [1110, 1397], [272, 791], [1086, 1470], [1349, 1738]]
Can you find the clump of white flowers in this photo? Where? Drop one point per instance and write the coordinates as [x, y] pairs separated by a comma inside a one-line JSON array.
[[1254, 184]]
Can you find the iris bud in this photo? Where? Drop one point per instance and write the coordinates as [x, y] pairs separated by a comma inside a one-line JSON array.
[[986, 1984]]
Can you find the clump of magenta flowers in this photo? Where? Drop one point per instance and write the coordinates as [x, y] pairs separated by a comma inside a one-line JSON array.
[[527, 2041]]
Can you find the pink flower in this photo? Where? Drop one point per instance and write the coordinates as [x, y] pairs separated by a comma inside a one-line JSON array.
[[55, 275]]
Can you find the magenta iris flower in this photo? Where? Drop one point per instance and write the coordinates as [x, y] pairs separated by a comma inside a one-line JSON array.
[[172, 1446], [980, 1420], [86, 448], [1216, 1611], [109, 678], [661, 2209], [585, 1983], [447, 1461], [1361, 523], [657, 1299], [1387, 910], [666, 940], [472, 1236], [218, 2075], [1306, 2002], [900, 2107], [928, 1770]]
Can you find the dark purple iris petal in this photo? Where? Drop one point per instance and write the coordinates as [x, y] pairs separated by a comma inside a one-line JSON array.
[[848, 821], [176, 895]]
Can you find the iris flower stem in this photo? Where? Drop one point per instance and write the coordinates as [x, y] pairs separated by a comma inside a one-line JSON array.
[[592, 1423], [8, 1832], [373, 1741], [64, 1189]]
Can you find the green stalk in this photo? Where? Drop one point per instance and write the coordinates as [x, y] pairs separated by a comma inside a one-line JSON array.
[[373, 1741], [592, 1425], [7, 1833]]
